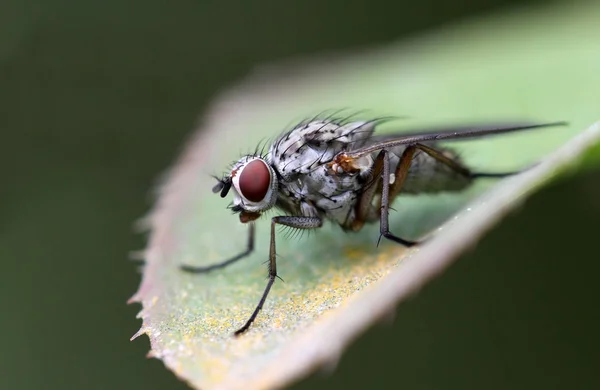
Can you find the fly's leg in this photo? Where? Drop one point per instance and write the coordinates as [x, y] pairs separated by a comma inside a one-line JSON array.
[[457, 167], [365, 202], [293, 222], [249, 249], [402, 169], [495, 175], [401, 174]]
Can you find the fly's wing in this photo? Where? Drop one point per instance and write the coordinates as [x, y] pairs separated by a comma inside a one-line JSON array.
[[474, 129], [455, 134], [434, 168]]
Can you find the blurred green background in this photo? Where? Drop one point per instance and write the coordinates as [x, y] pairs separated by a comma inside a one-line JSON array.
[[97, 99]]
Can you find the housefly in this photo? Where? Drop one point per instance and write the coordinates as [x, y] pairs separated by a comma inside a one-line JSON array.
[[339, 170]]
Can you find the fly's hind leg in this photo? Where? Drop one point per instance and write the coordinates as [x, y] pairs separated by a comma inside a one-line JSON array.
[[459, 168], [496, 175], [389, 194]]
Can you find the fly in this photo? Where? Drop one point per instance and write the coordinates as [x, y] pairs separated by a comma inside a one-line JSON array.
[[337, 170]]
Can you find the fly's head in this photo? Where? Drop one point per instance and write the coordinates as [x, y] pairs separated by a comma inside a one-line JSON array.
[[254, 184]]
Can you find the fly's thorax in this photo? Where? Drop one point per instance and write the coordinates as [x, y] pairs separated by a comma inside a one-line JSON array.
[[255, 185], [312, 143]]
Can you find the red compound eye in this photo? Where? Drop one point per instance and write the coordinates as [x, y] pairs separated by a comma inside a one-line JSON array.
[[255, 180]]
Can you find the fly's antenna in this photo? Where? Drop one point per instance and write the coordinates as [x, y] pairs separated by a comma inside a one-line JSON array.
[[223, 186]]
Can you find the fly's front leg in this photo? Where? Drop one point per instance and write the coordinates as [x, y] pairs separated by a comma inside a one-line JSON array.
[[249, 249], [293, 222], [400, 176]]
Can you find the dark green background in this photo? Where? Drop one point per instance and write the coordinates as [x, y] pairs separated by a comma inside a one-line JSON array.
[[96, 99]]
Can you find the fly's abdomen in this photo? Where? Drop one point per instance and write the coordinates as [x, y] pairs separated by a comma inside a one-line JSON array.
[[430, 175]]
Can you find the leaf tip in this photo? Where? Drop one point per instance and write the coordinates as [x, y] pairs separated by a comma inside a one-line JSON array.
[[138, 334], [135, 298]]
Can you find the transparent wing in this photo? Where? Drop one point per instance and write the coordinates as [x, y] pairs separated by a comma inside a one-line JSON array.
[[427, 131], [387, 141]]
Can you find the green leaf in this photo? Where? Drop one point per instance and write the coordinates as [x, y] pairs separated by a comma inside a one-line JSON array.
[[539, 64]]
